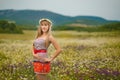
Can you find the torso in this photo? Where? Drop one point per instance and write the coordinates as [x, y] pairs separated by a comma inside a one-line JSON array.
[[39, 44]]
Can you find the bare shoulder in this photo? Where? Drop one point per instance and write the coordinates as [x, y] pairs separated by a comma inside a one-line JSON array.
[[51, 38]]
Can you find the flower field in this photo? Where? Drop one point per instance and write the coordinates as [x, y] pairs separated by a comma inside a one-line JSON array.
[[85, 56]]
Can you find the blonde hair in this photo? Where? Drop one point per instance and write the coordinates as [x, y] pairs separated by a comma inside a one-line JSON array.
[[39, 32]]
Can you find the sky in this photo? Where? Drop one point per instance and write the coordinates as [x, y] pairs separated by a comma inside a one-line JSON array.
[[108, 9]]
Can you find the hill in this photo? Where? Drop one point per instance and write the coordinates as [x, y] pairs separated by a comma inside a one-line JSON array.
[[31, 17]]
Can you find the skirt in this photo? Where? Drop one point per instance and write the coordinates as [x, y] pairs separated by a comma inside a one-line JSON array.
[[41, 67]]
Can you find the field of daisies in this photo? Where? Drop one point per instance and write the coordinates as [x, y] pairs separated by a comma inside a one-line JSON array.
[[85, 56]]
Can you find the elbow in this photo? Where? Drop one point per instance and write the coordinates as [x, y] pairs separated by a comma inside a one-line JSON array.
[[34, 55], [60, 50]]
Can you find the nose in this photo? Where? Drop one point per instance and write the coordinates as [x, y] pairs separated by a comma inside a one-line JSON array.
[[43, 26]]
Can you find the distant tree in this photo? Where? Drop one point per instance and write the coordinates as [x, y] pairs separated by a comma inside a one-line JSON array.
[[12, 26], [6, 27], [3, 24]]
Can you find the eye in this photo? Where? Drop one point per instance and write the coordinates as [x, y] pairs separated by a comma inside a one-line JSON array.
[[45, 24], [41, 24]]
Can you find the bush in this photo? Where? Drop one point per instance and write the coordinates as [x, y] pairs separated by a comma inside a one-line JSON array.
[[7, 27], [102, 28]]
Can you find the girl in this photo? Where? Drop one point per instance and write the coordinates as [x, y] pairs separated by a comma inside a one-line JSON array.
[[40, 45]]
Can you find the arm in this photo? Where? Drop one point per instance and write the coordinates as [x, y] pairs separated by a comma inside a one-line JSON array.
[[56, 45]]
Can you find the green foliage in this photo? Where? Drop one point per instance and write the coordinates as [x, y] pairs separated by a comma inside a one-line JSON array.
[[103, 28], [112, 26], [8, 27], [28, 27]]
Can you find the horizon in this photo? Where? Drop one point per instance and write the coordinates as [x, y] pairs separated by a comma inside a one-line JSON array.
[[108, 9]]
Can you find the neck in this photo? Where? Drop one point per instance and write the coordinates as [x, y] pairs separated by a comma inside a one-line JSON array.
[[44, 34]]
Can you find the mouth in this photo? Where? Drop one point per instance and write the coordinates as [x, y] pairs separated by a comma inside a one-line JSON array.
[[43, 28]]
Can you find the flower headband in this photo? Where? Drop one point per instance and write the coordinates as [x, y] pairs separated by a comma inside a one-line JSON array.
[[45, 20]]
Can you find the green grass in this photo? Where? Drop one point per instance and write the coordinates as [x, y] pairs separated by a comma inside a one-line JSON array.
[[85, 56], [28, 35]]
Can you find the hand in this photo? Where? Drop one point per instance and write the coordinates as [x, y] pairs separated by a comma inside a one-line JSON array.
[[48, 59]]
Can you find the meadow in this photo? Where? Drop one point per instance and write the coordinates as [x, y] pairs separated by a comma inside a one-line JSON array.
[[85, 56]]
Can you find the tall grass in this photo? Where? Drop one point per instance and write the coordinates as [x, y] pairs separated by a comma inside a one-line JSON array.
[[85, 56]]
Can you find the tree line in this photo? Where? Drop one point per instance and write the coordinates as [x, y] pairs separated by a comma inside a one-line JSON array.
[[9, 27], [101, 28]]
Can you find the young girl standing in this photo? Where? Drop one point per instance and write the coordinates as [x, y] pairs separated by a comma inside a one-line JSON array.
[[43, 39]]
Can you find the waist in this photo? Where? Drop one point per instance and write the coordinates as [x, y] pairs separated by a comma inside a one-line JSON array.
[[40, 50]]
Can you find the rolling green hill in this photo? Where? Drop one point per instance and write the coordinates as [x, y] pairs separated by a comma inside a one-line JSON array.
[[31, 17]]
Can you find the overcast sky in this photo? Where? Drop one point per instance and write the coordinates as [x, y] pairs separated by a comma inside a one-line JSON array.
[[108, 9]]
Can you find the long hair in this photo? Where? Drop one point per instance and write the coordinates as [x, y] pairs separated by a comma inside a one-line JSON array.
[[39, 31]]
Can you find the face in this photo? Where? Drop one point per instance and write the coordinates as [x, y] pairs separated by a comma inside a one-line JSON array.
[[44, 26]]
